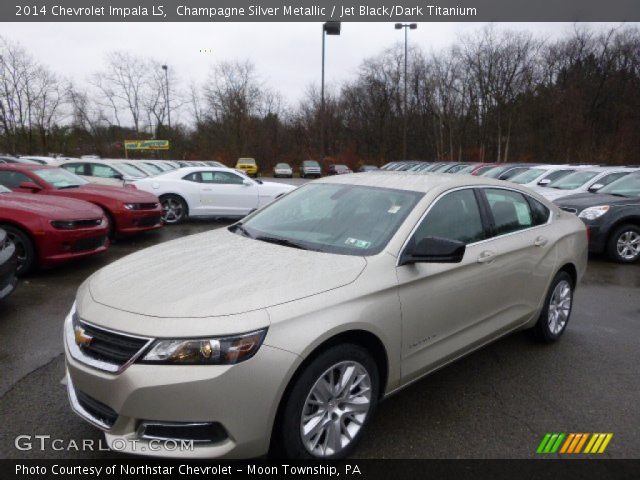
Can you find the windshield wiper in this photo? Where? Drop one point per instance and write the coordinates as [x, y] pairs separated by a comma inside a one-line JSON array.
[[281, 241], [68, 186], [618, 195], [238, 227]]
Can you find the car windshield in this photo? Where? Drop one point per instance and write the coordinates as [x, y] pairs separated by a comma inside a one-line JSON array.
[[60, 178], [282, 165], [131, 171], [310, 163], [247, 161], [333, 218], [494, 172], [527, 176], [153, 168], [628, 186], [573, 181]]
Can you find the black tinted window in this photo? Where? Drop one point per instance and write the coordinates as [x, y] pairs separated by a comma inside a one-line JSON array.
[[511, 211], [192, 177], [13, 179], [455, 216], [539, 211]]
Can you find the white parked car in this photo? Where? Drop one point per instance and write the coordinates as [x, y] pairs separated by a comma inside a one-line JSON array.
[[583, 181], [104, 172], [542, 175], [210, 192]]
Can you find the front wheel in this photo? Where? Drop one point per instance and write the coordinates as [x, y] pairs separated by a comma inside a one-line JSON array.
[[330, 404], [174, 209], [25, 250], [624, 244], [557, 309]]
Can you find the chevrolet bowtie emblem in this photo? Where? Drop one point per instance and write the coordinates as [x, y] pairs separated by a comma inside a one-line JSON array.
[[82, 338]]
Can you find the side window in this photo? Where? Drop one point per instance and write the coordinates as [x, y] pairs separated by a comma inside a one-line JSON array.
[[103, 171], [456, 216], [193, 177], [607, 179], [511, 211], [77, 168], [13, 179], [539, 212], [224, 178]]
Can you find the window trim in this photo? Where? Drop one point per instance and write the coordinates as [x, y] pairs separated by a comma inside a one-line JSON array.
[[478, 190]]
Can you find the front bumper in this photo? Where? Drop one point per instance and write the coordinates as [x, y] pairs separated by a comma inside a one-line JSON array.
[[59, 246], [241, 398], [134, 221]]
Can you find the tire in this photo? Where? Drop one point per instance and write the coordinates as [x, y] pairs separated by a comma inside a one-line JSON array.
[[557, 309], [305, 394], [25, 250], [624, 244], [174, 209]]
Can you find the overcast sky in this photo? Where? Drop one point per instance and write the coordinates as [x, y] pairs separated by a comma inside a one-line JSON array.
[[287, 55]]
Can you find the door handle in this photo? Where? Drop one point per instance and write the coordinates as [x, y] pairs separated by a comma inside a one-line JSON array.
[[206, 189], [486, 257], [541, 241]]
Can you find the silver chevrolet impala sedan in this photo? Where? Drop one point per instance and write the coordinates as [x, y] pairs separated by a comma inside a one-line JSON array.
[[282, 332]]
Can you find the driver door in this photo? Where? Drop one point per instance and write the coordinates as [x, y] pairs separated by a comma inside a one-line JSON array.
[[447, 308], [226, 193]]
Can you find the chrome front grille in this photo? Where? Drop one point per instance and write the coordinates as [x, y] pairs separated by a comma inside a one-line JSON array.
[[102, 348]]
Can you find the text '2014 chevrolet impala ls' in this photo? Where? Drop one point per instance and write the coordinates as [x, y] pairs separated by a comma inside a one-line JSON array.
[[284, 331]]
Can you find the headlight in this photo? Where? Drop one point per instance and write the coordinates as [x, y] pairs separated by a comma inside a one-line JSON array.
[[63, 224], [592, 213], [206, 351], [132, 206]]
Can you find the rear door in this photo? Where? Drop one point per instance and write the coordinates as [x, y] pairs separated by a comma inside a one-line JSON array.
[[520, 245]]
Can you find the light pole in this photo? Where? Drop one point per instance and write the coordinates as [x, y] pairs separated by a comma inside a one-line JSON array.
[[328, 28], [166, 81], [407, 27]]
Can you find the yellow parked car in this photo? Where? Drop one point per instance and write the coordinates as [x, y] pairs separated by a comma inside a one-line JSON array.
[[248, 166]]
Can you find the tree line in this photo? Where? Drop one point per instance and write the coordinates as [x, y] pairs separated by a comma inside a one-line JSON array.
[[496, 95]]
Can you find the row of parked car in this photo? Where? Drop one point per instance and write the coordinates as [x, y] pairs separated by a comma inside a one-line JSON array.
[[605, 198], [56, 210]]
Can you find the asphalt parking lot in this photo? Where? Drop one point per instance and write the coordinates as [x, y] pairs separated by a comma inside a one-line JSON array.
[[496, 403]]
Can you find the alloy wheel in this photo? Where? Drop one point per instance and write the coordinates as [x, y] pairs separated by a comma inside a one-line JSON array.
[[628, 245], [21, 251], [335, 409], [559, 307], [172, 210]]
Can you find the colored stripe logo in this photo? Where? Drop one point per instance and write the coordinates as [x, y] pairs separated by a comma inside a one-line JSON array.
[[574, 443]]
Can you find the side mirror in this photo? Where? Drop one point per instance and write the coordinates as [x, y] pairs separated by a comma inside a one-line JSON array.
[[595, 187], [34, 187], [433, 250], [544, 182]]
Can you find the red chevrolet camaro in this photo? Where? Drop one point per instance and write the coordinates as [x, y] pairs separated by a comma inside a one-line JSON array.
[[127, 209], [49, 231]]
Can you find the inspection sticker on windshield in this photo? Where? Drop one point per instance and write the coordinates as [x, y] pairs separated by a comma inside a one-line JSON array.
[[354, 242]]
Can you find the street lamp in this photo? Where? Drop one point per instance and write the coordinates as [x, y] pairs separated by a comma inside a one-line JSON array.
[[166, 81], [328, 28], [407, 27]]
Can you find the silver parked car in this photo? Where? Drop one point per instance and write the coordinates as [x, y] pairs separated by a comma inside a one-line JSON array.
[[286, 329]]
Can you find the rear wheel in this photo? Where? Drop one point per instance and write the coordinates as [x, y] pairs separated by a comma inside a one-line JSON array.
[[557, 309], [25, 250], [330, 404], [624, 244], [174, 209]]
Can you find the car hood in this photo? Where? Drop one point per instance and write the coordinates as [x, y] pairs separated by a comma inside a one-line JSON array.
[[52, 208], [585, 200], [276, 186], [126, 195], [218, 273]]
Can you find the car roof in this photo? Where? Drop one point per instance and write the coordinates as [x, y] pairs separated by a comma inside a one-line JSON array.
[[25, 166], [412, 181]]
